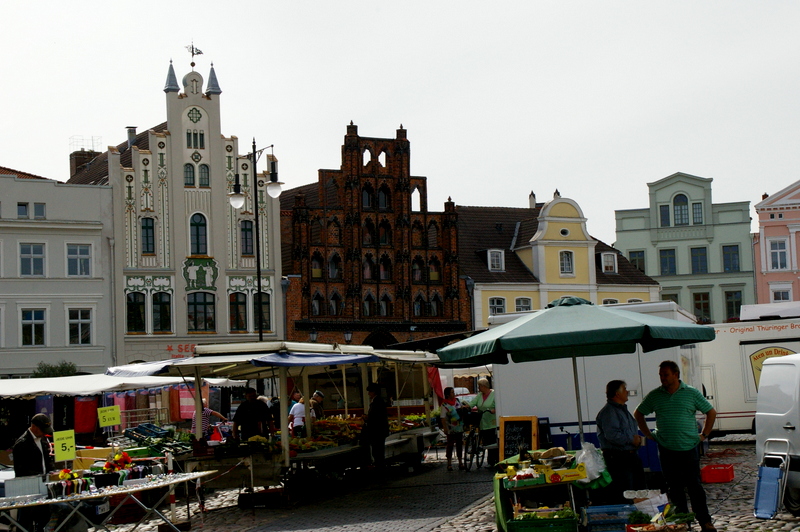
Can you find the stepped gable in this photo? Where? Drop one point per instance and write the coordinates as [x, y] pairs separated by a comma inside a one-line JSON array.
[[484, 228], [20, 175], [96, 171]]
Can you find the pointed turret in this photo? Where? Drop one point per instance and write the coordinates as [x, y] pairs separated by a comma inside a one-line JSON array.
[[172, 80], [213, 84]]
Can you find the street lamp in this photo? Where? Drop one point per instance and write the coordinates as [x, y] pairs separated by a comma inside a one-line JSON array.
[[236, 198], [312, 335], [348, 335]]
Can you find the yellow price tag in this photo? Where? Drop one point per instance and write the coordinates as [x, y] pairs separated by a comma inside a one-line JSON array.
[[109, 416], [64, 443]]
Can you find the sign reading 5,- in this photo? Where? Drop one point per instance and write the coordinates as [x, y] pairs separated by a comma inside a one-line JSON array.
[[64, 443]]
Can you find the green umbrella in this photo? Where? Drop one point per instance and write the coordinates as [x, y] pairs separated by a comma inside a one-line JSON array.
[[572, 327]]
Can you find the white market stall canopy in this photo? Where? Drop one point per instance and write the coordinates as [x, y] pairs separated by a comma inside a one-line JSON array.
[[92, 385]]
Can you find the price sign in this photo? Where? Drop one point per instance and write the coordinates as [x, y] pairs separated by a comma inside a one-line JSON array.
[[64, 443], [518, 432], [109, 416]]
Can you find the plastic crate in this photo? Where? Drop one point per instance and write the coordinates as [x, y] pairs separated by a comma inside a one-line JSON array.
[[716, 473], [610, 518], [551, 525]]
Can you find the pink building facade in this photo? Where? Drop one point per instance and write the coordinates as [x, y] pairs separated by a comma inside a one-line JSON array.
[[776, 246]]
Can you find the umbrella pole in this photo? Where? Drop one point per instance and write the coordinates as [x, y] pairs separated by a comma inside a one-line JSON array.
[[344, 390], [198, 404], [284, 401], [578, 398]]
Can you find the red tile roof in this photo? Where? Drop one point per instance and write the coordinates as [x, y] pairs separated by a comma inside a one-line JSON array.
[[21, 175]]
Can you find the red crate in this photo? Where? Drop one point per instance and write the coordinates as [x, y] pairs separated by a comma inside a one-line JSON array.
[[716, 473]]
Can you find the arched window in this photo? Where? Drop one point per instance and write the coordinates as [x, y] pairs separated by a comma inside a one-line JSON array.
[[566, 264], [385, 233], [419, 306], [369, 268], [265, 311], [162, 312], [369, 306], [434, 270], [335, 306], [205, 176], [368, 233], [385, 308], [416, 200], [188, 175], [247, 238], [237, 305], [433, 235], [385, 269], [384, 198], [416, 235], [366, 157], [317, 304], [366, 197], [417, 267], [334, 267], [198, 235], [316, 265], [681, 209], [435, 306], [200, 312], [135, 312]]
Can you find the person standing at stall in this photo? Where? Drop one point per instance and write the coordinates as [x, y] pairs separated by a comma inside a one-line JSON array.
[[251, 418], [316, 404], [619, 442], [206, 423], [297, 418], [675, 405], [453, 427], [484, 403], [32, 458], [376, 427]]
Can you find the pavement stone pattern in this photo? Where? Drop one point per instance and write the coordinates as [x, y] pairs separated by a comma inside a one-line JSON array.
[[434, 499]]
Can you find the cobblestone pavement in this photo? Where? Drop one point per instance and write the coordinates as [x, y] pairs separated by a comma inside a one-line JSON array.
[[436, 500]]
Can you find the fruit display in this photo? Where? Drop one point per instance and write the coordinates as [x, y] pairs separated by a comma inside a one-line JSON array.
[[341, 431], [411, 421]]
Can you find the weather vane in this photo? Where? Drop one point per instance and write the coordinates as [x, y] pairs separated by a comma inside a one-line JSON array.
[[194, 51]]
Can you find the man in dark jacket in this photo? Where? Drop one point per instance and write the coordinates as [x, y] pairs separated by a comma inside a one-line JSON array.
[[32, 457], [376, 426]]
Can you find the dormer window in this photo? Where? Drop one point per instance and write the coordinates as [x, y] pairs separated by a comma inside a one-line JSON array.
[[609, 262], [497, 261]]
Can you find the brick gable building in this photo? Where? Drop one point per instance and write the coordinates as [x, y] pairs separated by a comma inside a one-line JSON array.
[[362, 252]]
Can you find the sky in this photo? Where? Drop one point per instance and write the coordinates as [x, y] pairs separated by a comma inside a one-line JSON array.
[[500, 99]]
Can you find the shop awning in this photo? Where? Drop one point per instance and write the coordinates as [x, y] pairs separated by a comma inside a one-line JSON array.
[[92, 385]]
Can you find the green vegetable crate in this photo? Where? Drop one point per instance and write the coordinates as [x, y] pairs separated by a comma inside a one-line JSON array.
[[568, 524]]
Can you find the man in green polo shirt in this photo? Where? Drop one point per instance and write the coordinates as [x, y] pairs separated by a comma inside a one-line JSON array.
[[675, 405]]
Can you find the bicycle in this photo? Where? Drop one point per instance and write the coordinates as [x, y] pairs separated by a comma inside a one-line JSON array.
[[473, 450]]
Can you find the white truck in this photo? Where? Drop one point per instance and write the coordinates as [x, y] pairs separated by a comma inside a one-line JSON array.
[[546, 388], [730, 365]]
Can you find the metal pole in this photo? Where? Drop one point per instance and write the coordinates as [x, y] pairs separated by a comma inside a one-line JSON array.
[[578, 397], [256, 207], [344, 390], [283, 393]]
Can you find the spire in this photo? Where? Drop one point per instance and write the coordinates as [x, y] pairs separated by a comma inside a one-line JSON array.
[[213, 84], [172, 80]]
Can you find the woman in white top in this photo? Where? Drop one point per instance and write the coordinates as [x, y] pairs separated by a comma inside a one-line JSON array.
[[297, 418]]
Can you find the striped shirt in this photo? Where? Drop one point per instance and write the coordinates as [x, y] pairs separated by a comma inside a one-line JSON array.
[[676, 424]]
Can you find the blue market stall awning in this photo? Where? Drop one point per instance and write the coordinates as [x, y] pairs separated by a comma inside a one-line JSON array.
[[573, 327], [311, 359]]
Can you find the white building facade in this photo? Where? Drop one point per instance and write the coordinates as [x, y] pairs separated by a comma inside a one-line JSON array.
[[700, 252], [56, 300], [183, 256]]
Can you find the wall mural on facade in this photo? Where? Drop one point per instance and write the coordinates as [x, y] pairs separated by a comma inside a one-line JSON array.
[[148, 283], [200, 273]]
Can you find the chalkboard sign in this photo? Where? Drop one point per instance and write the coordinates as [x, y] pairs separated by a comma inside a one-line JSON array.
[[516, 432]]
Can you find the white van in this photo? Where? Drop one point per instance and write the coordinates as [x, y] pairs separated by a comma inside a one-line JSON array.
[[778, 420]]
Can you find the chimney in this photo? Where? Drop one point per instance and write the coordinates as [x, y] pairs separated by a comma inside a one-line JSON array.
[[532, 200], [131, 136], [79, 159], [764, 196]]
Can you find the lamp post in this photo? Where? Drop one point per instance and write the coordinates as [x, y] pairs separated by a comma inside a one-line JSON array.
[[348, 336], [236, 198]]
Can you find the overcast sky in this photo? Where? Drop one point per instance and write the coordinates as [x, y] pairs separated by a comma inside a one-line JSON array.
[[595, 98]]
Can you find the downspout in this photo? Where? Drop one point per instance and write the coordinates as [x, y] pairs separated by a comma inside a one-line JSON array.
[[114, 341]]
